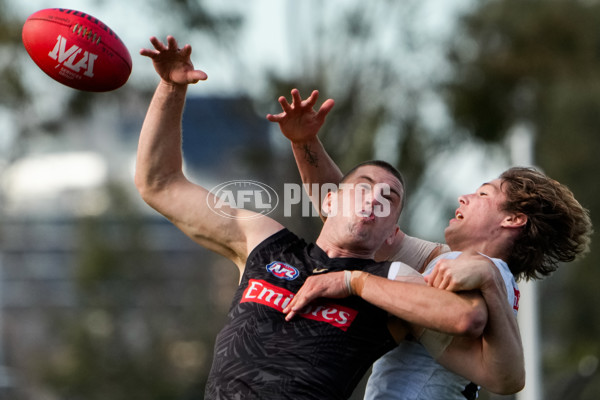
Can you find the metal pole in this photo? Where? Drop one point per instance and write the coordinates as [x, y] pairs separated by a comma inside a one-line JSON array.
[[521, 147]]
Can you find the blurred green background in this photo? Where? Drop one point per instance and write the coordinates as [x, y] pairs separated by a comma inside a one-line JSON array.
[[100, 298]]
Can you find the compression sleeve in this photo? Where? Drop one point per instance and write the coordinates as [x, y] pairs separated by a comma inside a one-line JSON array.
[[416, 252]]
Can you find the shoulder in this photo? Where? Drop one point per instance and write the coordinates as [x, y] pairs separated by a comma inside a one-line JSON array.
[[417, 252], [512, 289], [277, 241]]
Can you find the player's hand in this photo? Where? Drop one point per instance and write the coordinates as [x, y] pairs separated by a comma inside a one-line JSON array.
[[173, 64], [469, 271], [330, 285], [299, 122]]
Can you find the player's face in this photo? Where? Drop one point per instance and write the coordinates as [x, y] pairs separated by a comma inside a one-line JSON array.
[[478, 217], [367, 205]]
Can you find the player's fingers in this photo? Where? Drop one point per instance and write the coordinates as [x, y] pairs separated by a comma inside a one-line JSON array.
[[297, 304], [171, 43], [427, 279], [324, 109], [284, 104], [198, 75], [311, 100], [158, 45], [440, 281], [305, 295], [276, 117], [439, 274], [291, 305], [296, 99], [290, 315], [186, 51], [430, 279], [289, 310], [149, 53]]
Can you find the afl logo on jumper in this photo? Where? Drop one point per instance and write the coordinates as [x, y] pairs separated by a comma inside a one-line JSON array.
[[283, 270]]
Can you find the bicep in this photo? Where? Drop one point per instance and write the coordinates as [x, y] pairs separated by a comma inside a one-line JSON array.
[[462, 356], [492, 364], [466, 357], [230, 232]]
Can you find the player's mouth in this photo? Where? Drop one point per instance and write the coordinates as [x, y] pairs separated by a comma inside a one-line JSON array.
[[458, 215], [367, 215]]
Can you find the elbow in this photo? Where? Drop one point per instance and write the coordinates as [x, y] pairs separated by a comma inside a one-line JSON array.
[[141, 184], [509, 380], [472, 323], [472, 318], [514, 386], [514, 382], [143, 187], [508, 384], [519, 384], [150, 189]]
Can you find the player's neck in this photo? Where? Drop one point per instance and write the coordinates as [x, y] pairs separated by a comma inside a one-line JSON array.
[[491, 249], [338, 250]]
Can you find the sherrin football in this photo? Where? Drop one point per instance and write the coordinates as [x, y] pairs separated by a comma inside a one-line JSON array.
[[76, 49]]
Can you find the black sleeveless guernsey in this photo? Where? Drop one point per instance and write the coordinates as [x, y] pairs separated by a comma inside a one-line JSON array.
[[321, 354]]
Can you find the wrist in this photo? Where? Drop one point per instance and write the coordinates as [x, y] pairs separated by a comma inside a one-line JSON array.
[[348, 282], [357, 282], [172, 86], [302, 144]]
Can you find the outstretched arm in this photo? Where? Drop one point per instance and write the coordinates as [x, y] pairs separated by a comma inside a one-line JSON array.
[[159, 177], [300, 123]]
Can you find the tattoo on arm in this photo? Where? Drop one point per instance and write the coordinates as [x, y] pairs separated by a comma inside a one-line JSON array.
[[310, 156]]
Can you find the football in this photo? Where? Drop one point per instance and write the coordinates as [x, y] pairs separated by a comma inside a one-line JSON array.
[[76, 49]]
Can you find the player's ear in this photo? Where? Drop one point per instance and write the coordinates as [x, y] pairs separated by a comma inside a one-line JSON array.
[[515, 220], [393, 236], [327, 204]]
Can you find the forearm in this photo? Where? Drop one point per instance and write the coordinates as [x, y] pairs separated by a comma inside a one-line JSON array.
[[494, 361], [423, 305], [159, 156], [502, 349], [316, 168]]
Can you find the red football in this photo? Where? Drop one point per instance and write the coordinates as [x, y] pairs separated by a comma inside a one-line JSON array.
[[76, 49]]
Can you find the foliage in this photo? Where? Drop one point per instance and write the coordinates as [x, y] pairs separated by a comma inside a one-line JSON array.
[[19, 97], [356, 54], [534, 62], [537, 63], [134, 330], [12, 88], [196, 16], [139, 329]]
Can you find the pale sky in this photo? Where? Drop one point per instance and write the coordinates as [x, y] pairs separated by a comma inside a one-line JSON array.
[[267, 40], [270, 27]]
